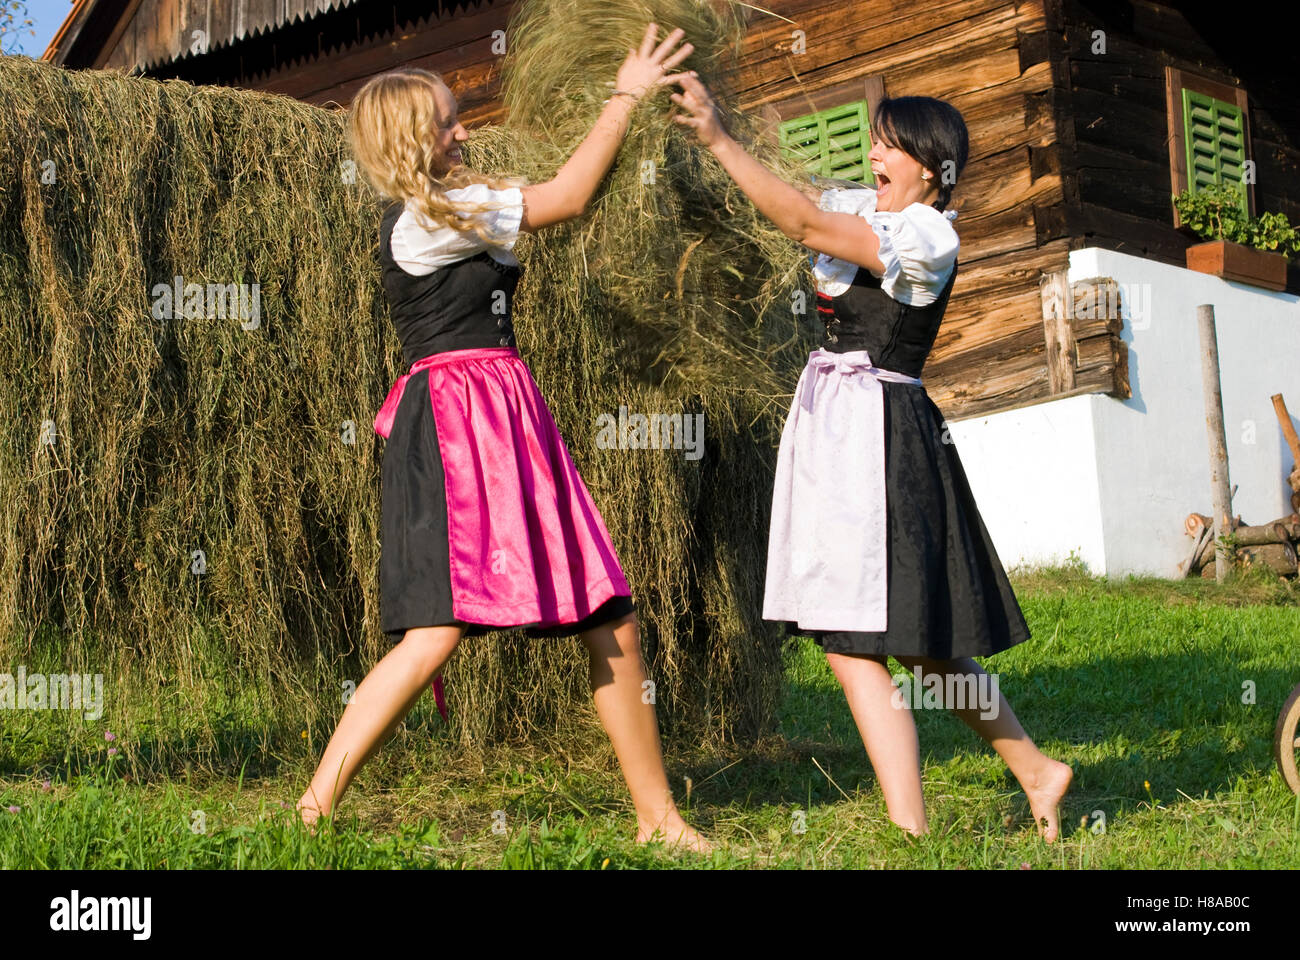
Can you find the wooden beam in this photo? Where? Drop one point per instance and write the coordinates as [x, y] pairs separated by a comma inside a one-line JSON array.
[[1082, 323], [1055, 290]]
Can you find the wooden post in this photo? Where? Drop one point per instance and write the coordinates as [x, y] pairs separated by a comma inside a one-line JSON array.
[[1054, 288], [1219, 486], [1292, 441]]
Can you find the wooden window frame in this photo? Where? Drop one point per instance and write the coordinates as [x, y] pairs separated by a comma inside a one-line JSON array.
[[870, 89], [1175, 81]]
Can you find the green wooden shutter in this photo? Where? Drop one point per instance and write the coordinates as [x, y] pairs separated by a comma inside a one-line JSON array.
[[1216, 143], [832, 143]]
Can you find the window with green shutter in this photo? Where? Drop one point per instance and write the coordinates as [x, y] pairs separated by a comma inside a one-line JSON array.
[[1209, 137], [1215, 143], [832, 142]]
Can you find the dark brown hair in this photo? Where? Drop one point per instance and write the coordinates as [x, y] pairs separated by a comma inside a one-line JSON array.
[[930, 131]]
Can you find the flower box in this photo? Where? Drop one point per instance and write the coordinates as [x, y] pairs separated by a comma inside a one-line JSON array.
[[1234, 261]]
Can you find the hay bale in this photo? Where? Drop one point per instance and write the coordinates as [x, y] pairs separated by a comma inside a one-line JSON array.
[[136, 440]]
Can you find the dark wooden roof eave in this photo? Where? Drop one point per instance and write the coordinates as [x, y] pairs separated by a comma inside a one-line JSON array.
[[90, 21], [94, 27], [414, 16]]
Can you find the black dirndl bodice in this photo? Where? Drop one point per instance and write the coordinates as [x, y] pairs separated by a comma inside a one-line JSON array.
[[897, 335], [460, 306]]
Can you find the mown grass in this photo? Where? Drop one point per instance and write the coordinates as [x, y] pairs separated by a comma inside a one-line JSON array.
[[1138, 683]]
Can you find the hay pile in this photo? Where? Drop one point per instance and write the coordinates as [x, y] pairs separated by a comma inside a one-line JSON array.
[[135, 439], [695, 284]]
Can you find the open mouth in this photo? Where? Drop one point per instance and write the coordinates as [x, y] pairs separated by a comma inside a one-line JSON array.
[[882, 182]]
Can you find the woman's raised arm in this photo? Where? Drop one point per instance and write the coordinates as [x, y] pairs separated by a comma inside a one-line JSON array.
[[567, 194], [841, 235]]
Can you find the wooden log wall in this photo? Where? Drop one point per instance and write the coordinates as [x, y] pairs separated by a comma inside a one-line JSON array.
[[1112, 114]]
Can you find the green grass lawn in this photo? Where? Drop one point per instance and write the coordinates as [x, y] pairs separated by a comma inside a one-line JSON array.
[[1138, 684]]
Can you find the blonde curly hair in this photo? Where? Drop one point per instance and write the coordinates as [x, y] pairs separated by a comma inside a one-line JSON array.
[[392, 123]]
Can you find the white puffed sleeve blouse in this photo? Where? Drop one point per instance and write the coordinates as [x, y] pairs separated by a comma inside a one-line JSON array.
[[918, 247], [420, 247]]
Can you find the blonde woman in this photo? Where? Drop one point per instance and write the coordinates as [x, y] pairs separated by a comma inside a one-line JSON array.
[[486, 523]]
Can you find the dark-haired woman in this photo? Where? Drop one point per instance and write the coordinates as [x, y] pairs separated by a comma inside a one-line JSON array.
[[876, 547]]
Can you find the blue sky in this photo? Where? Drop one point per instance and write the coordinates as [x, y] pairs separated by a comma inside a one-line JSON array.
[[49, 16]]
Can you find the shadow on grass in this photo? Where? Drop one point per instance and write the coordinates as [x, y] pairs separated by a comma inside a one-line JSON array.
[[1177, 721]]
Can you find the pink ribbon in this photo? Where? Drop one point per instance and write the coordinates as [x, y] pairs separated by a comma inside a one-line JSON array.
[[439, 697], [856, 361]]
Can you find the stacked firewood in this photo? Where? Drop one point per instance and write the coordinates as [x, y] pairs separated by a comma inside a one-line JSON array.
[[1272, 544]]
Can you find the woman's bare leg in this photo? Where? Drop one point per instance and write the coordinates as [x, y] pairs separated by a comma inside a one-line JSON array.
[[617, 675], [1044, 780], [380, 703], [888, 733]]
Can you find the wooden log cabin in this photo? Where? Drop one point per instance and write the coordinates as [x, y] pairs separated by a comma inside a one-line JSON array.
[[1080, 115]]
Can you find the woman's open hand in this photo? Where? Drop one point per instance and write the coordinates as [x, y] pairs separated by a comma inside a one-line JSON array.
[[701, 114], [648, 67]]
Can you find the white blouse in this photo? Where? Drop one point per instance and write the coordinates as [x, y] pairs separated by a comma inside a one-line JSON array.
[[918, 247], [420, 247]]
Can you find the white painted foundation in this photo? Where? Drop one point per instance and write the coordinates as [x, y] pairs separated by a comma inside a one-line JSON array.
[[1113, 480]]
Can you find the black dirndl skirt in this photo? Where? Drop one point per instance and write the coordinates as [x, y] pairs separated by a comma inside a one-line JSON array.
[[948, 594], [415, 558]]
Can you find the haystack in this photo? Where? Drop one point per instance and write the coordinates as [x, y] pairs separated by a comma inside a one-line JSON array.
[[191, 501]]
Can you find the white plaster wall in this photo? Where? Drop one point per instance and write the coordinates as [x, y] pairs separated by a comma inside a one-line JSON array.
[[1033, 472], [1114, 479]]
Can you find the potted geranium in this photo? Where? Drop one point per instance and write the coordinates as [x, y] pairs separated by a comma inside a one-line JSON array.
[[1251, 250]]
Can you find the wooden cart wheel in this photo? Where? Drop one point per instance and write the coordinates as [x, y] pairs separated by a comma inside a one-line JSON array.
[[1286, 743]]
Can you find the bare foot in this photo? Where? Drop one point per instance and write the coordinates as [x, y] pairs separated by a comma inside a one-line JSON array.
[[676, 833], [1045, 792], [912, 830], [309, 813]]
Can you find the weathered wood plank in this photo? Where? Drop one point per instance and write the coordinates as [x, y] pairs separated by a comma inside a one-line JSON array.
[[1135, 82], [408, 48], [1021, 379], [970, 44], [1121, 182], [999, 183], [1058, 334], [1001, 116], [221, 20], [1012, 271], [194, 17], [1127, 124]]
